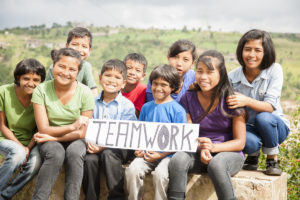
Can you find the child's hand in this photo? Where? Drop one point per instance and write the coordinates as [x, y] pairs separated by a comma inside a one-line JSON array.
[[237, 100], [139, 153], [91, 148], [81, 121], [152, 156], [41, 138], [205, 143], [205, 156]]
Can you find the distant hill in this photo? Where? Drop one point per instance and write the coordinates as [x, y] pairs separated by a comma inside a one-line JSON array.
[[116, 42]]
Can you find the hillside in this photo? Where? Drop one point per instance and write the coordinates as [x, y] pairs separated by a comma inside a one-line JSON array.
[[115, 42]]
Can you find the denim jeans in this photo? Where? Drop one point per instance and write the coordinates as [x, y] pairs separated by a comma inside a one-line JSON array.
[[269, 131], [15, 156], [220, 169], [54, 154]]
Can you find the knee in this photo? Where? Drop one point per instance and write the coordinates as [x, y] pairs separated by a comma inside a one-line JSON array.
[[264, 118], [179, 161], [91, 160], [17, 156], [107, 154], [160, 176], [215, 165], [53, 151]]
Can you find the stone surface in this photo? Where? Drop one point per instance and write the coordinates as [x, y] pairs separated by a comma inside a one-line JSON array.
[[248, 185]]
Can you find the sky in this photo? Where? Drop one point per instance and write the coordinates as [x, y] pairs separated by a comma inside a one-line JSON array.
[[219, 15]]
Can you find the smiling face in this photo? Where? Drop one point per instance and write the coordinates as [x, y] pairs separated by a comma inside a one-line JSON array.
[[135, 72], [112, 81], [161, 90], [253, 54], [65, 70], [82, 45], [207, 79], [182, 62], [28, 82]]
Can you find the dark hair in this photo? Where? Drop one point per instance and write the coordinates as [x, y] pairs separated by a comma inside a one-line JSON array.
[[167, 73], [137, 58], [56, 55], [223, 88], [115, 64], [29, 66], [79, 32], [269, 50], [181, 46]]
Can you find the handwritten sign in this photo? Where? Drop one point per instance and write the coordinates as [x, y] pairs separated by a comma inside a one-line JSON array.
[[151, 136]]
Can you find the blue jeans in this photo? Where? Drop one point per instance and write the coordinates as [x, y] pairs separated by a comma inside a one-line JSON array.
[[54, 154], [220, 169], [269, 131], [15, 156]]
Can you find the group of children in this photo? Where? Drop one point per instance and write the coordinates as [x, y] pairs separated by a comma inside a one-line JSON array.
[[238, 113]]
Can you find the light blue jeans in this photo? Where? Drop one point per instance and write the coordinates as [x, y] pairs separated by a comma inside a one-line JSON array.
[[269, 131], [15, 156], [220, 169]]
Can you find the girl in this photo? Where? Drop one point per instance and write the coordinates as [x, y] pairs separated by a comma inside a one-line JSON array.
[[182, 55], [258, 83], [61, 108], [17, 127], [222, 131]]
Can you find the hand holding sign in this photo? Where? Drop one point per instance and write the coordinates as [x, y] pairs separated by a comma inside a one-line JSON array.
[[138, 135]]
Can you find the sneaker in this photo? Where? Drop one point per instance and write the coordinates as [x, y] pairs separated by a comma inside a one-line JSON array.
[[251, 163], [272, 168]]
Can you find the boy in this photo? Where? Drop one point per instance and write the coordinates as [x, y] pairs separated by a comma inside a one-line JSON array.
[[110, 104], [136, 71], [80, 39], [164, 80]]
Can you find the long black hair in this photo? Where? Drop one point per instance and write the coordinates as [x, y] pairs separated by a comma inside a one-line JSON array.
[[223, 89]]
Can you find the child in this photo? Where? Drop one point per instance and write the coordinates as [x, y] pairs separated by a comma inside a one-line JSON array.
[[222, 131], [164, 80], [136, 71], [17, 127], [62, 107], [182, 55], [80, 39], [258, 83], [110, 104]]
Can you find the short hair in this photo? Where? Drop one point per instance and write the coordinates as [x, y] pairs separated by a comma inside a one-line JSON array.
[[30, 65], [167, 73], [181, 46], [79, 32], [56, 55], [115, 64], [136, 57], [267, 43]]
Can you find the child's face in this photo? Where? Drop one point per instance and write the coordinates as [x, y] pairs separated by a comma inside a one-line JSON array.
[[182, 62], [29, 81], [135, 72], [112, 81], [65, 70], [207, 79], [253, 53], [161, 90], [81, 44]]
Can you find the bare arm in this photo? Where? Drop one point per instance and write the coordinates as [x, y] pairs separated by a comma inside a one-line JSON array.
[[239, 100], [43, 126], [73, 135]]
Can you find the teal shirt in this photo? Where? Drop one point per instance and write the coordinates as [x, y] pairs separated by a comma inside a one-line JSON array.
[[20, 120], [59, 114], [85, 75]]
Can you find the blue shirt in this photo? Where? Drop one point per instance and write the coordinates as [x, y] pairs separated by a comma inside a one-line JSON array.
[[119, 109], [189, 78], [266, 87], [170, 112]]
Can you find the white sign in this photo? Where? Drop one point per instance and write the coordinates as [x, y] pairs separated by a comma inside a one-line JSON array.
[[139, 135]]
